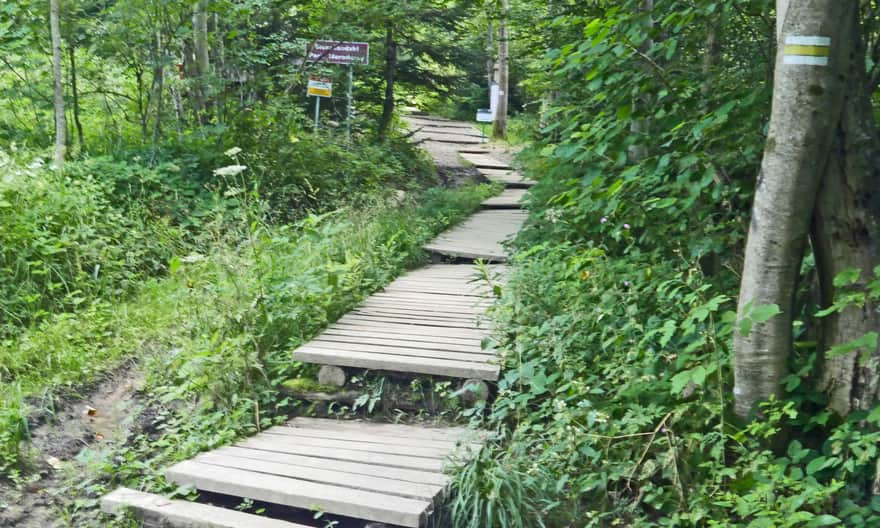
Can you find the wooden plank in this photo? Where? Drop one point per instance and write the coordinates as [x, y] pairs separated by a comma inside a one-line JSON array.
[[357, 468], [363, 435], [404, 339], [410, 329], [421, 430], [473, 348], [439, 300], [377, 484], [358, 445], [393, 353], [157, 510], [414, 365], [403, 320], [510, 178], [267, 443], [410, 314], [510, 198], [302, 494], [424, 307]]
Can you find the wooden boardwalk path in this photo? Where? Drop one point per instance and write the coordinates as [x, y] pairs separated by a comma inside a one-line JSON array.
[[426, 322], [481, 236], [429, 321]]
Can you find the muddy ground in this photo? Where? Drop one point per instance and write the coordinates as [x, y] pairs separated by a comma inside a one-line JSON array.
[[81, 431]]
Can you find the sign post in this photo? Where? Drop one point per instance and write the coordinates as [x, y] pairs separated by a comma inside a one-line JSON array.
[[484, 115], [339, 52], [319, 87]]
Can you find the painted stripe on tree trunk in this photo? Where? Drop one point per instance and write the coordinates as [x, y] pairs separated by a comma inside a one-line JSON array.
[[807, 41], [810, 51], [805, 60]]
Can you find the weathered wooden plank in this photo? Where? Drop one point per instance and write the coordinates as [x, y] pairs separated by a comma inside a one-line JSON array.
[[402, 320], [411, 329], [302, 494], [510, 198], [374, 483], [415, 365], [404, 339], [393, 351], [156, 510], [267, 443], [510, 178], [421, 430], [357, 468], [424, 307], [410, 314], [473, 347], [358, 445], [364, 435], [484, 162]]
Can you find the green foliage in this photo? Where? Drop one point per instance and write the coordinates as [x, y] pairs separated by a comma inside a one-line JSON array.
[[64, 243], [218, 331]]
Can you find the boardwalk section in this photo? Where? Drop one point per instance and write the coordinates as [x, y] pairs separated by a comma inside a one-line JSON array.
[[156, 510], [508, 199], [386, 473], [481, 236], [429, 321]]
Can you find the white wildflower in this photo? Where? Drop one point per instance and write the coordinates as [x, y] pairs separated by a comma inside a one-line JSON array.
[[230, 170], [234, 151]]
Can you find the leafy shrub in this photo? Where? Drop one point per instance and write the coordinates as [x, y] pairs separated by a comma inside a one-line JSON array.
[[64, 244]]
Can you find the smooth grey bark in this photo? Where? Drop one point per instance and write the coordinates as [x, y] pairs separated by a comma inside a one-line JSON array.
[[639, 127], [846, 233], [807, 104], [200, 37], [60, 118], [781, 10], [499, 127]]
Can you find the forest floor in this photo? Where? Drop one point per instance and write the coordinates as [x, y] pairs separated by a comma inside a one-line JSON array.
[[81, 430]]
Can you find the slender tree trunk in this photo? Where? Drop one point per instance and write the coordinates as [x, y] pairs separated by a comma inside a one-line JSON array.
[[202, 52], [60, 119], [807, 104], [390, 69], [499, 128], [75, 93], [846, 234], [639, 126], [158, 95]]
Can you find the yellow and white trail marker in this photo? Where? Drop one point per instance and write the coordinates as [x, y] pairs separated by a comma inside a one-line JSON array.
[[808, 51]]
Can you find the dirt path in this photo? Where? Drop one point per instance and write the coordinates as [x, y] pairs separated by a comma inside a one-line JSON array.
[[63, 447]]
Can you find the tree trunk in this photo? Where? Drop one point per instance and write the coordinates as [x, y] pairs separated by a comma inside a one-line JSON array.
[[75, 93], [807, 104], [639, 126], [60, 119], [499, 128], [846, 234], [390, 68], [202, 57]]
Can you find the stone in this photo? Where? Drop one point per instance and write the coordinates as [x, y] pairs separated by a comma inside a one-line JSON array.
[[331, 375], [473, 391]]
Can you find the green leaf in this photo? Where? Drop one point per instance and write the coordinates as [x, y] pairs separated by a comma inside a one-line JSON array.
[[867, 341], [847, 277], [824, 520]]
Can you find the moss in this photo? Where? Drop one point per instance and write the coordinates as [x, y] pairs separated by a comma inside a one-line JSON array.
[[304, 385]]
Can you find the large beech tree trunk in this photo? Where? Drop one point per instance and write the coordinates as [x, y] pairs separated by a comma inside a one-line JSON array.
[[807, 103], [60, 118], [846, 233]]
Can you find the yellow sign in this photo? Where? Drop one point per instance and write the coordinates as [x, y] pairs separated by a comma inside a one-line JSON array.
[[320, 87]]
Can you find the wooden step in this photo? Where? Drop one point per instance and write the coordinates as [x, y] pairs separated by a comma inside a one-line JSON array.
[[388, 473], [157, 511], [509, 199]]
